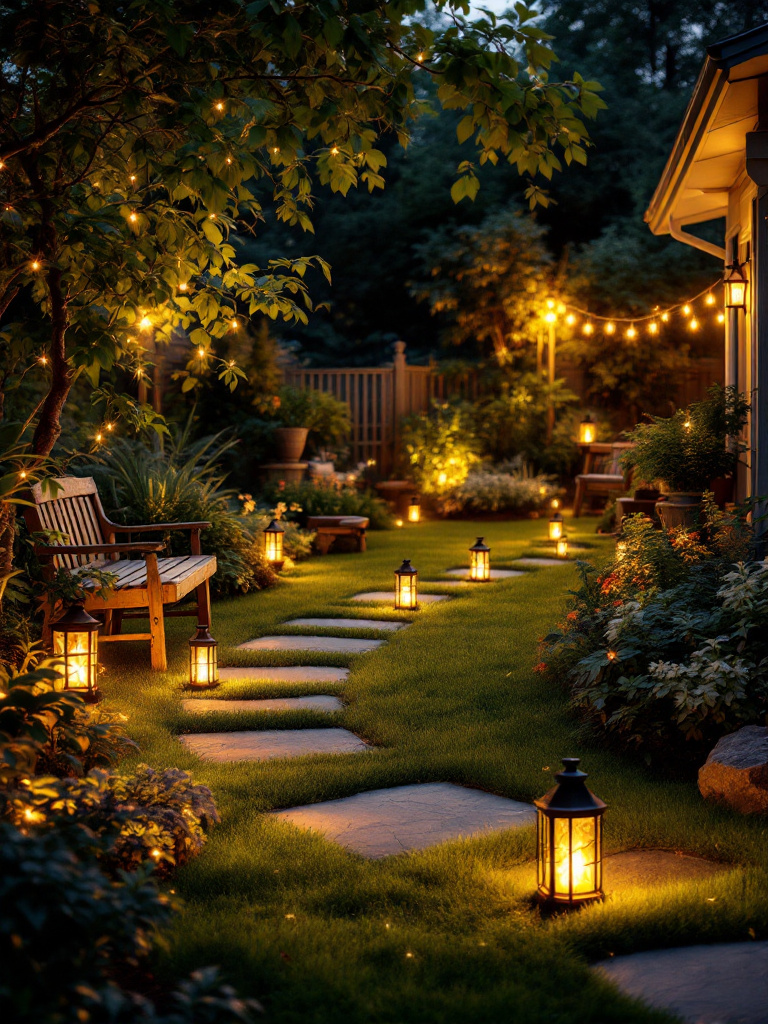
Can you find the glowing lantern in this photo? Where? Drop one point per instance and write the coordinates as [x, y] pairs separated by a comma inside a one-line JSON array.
[[273, 544], [406, 597], [570, 840], [414, 509], [480, 561], [587, 430], [556, 527], [735, 285], [76, 643], [562, 547], [203, 662]]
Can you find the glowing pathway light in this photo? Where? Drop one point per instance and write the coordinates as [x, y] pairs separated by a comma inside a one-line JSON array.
[[556, 526], [570, 841], [414, 509], [406, 591], [76, 643], [480, 562], [273, 544], [203, 660]]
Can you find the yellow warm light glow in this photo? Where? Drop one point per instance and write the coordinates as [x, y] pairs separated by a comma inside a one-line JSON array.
[[721, 318], [587, 433], [562, 547], [23, 474], [202, 666], [610, 327], [398, 522], [183, 286], [653, 327], [442, 478], [555, 529], [34, 265], [710, 299], [109, 426], [73, 645], [574, 860], [570, 319], [588, 328], [687, 424], [686, 310], [43, 360], [99, 438], [479, 565], [419, 57], [132, 178], [228, 160], [631, 332], [665, 317], [414, 512], [551, 317], [611, 655], [693, 325], [234, 324], [621, 550], [133, 217], [273, 546], [737, 293], [219, 106], [334, 150], [145, 323], [201, 352], [555, 504], [407, 593]]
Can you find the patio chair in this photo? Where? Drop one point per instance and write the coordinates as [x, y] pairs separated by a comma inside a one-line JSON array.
[[603, 475]]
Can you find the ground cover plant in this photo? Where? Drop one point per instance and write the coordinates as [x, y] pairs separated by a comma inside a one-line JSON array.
[[449, 933], [664, 650], [327, 498], [509, 487]]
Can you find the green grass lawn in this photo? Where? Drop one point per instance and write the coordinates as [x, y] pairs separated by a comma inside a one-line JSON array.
[[450, 934]]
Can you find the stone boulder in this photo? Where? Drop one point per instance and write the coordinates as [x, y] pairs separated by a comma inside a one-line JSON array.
[[736, 771]]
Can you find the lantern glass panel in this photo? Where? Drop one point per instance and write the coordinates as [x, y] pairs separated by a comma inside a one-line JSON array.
[[562, 547], [274, 546], [556, 527], [78, 650], [587, 432], [406, 589], [737, 293], [414, 511]]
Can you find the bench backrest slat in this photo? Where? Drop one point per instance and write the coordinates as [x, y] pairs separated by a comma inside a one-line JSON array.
[[72, 509]]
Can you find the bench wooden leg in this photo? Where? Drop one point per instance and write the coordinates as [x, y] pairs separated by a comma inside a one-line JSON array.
[[323, 542], [578, 499], [361, 545], [204, 605], [156, 620]]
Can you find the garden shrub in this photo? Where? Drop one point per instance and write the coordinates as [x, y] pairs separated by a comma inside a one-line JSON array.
[[328, 498], [441, 447], [509, 487], [671, 642], [327, 418]]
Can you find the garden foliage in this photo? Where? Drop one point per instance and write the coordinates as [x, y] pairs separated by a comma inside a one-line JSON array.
[[509, 487], [327, 498], [669, 643], [441, 447], [79, 910]]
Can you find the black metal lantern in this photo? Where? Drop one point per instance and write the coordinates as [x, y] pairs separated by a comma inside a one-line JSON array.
[[556, 527], [587, 430], [414, 509], [76, 642], [203, 660], [480, 561], [735, 286], [273, 544], [406, 597], [570, 840]]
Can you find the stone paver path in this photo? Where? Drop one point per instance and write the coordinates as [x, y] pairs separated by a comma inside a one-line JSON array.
[[287, 674], [386, 821], [318, 702], [388, 595], [272, 743], [496, 574], [542, 563], [719, 984], [329, 644], [385, 624]]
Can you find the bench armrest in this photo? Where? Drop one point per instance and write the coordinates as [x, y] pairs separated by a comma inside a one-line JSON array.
[[156, 527], [137, 547]]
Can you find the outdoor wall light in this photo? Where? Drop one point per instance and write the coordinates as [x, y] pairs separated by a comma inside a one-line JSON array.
[[587, 430], [562, 546], [414, 509], [556, 527], [569, 836], [406, 598], [273, 544], [480, 561], [203, 661], [76, 643], [735, 286]]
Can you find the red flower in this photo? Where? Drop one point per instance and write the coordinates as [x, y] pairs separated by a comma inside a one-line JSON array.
[[541, 667], [572, 616]]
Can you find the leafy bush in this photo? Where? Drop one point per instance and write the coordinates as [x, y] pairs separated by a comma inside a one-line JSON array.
[[328, 498], [297, 543], [510, 487], [671, 641], [68, 931], [441, 447], [690, 449]]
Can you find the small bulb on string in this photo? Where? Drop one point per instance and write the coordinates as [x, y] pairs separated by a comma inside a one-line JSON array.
[[687, 424], [211, 216], [231, 364], [665, 317], [43, 360], [588, 328], [693, 324], [686, 310], [228, 160], [610, 327], [721, 318], [653, 327], [334, 150], [631, 332], [2, 166], [34, 265], [233, 324], [275, 150], [133, 217], [201, 352], [99, 438], [145, 323], [183, 286], [420, 57], [570, 319], [710, 299], [23, 474], [219, 106], [132, 178], [109, 427]]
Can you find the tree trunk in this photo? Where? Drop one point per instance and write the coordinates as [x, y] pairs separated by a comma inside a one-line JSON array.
[[48, 425], [7, 536]]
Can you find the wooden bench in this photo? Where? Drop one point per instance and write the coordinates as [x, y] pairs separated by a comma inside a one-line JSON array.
[[144, 584], [328, 528], [603, 474]]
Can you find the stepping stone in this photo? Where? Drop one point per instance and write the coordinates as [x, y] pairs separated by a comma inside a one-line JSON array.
[[651, 868], [388, 595], [272, 743], [329, 644], [288, 674], [321, 702], [542, 563], [387, 821], [496, 574], [387, 624], [725, 983]]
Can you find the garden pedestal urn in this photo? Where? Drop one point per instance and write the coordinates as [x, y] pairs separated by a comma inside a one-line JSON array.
[[679, 509], [290, 442]]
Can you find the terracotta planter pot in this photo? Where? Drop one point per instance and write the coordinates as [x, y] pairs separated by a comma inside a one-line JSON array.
[[290, 442], [679, 509]]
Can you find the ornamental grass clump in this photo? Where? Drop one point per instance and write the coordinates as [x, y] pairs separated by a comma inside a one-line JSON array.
[[510, 487], [666, 649]]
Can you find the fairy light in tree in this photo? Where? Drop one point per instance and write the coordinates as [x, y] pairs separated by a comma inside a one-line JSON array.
[[133, 217], [334, 150], [686, 310], [233, 324], [569, 840], [588, 328], [693, 324], [610, 327], [631, 333], [35, 265], [665, 317], [43, 360], [145, 324], [183, 286], [132, 178], [211, 216], [554, 504], [228, 160], [570, 319], [653, 327], [201, 352], [219, 106]]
